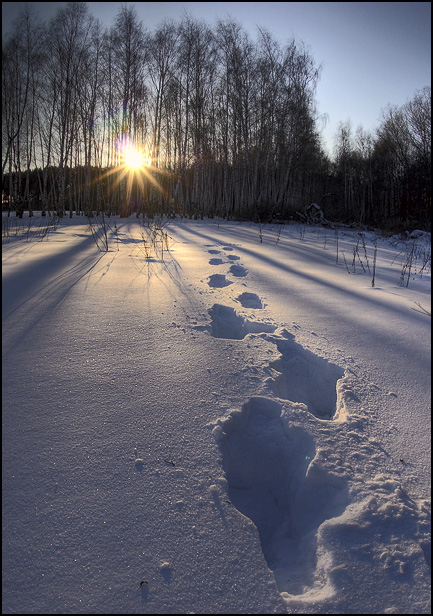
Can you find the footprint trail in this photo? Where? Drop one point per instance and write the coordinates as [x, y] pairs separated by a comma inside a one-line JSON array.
[[286, 471]]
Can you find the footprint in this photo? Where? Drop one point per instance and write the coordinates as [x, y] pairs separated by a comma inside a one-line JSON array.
[[233, 257], [238, 271], [226, 323], [166, 571], [219, 281], [214, 252], [216, 262], [275, 479], [250, 300], [307, 378]]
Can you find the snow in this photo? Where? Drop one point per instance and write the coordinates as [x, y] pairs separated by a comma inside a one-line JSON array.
[[239, 423]]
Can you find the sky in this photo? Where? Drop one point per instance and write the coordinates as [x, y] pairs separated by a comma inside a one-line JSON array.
[[372, 54]]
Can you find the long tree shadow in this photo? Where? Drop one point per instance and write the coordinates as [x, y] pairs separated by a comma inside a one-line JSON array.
[[326, 284], [33, 292]]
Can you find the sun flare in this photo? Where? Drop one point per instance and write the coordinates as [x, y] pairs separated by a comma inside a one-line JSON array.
[[135, 168], [133, 158]]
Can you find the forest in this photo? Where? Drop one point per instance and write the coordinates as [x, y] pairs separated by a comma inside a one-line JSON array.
[[224, 126]]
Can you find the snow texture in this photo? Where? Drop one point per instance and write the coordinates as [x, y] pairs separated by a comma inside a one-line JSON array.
[[237, 424]]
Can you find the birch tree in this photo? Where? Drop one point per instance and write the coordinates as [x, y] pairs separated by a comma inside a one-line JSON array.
[[68, 38], [20, 58]]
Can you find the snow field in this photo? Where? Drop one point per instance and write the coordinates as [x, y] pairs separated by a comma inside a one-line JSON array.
[[209, 442]]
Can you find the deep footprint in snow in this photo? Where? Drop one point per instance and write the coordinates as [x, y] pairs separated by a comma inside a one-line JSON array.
[[226, 323], [276, 480], [238, 271], [250, 300], [219, 281], [307, 378]]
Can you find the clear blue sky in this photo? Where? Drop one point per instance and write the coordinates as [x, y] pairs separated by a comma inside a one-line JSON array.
[[372, 53]]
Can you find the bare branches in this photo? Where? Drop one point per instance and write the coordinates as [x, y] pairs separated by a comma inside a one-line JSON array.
[[227, 126]]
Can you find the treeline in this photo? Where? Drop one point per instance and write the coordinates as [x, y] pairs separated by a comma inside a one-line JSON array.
[[228, 126]]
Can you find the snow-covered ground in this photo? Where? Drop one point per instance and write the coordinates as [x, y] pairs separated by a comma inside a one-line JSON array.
[[232, 420]]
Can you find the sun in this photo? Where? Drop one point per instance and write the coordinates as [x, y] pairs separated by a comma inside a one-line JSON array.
[[135, 168], [133, 158]]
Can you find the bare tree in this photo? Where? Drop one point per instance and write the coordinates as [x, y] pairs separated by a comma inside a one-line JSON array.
[[68, 38], [228, 125], [20, 59], [404, 143]]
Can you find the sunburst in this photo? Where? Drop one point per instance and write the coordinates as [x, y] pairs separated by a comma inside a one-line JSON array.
[[133, 158], [136, 166]]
